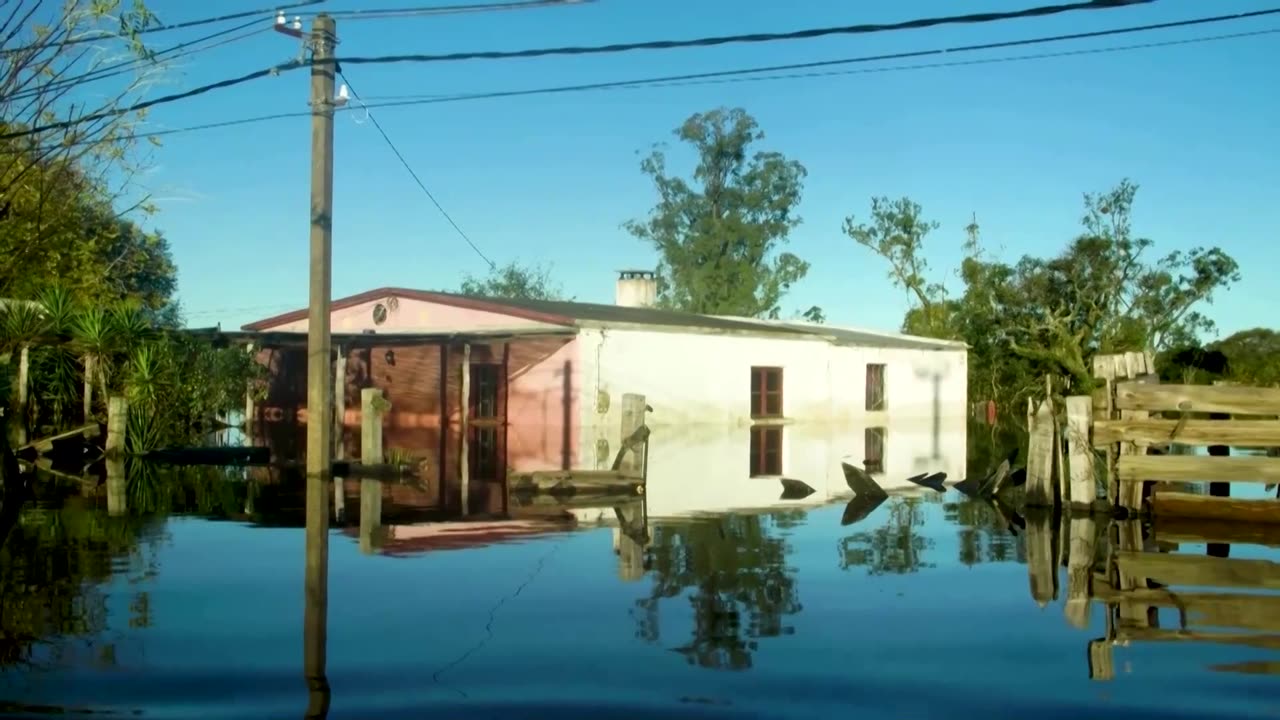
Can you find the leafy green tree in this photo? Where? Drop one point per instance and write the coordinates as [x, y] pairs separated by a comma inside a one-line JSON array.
[[514, 281], [1253, 356], [1051, 315], [718, 235]]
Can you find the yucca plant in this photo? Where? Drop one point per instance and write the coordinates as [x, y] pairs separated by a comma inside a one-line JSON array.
[[22, 325], [94, 335]]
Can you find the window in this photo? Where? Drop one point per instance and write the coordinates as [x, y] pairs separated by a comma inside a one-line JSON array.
[[874, 449], [766, 450], [766, 392], [484, 391], [875, 388]]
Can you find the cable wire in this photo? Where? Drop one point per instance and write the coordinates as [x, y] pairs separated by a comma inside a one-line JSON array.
[[378, 126], [809, 34], [727, 76], [172, 52], [389, 13], [270, 12], [910, 54]]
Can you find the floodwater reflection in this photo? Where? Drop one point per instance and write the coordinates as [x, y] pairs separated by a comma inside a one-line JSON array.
[[745, 613]]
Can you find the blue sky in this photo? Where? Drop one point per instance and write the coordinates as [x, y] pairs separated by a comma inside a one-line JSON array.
[[551, 179]]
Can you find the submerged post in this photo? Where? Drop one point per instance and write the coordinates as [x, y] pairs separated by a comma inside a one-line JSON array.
[[1079, 484], [1040, 454], [464, 465], [632, 419], [339, 430], [372, 406], [117, 426]]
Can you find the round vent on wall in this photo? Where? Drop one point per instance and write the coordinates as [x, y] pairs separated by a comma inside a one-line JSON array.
[[379, 314]]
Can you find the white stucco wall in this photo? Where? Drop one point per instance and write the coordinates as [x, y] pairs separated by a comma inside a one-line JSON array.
[[704, 469], [706, 378], [699, 387]]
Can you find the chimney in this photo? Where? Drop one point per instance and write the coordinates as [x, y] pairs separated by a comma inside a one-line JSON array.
[[636, 288]]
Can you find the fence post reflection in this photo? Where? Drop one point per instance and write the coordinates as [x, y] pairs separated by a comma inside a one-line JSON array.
[[315, 614]]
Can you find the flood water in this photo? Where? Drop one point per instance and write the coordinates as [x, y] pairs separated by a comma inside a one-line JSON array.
[[189, 603]]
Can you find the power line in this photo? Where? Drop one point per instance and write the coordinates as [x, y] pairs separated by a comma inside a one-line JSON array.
[[910, 54], [172, 52], [378, 126], [727, 76], [809, 34], [162, 100], [386, 13], [260, 13]]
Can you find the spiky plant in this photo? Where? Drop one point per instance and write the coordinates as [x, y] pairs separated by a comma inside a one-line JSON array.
[[94, 335], [22, 325]]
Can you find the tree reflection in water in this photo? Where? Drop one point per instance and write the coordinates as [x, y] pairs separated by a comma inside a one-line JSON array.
[[895, 548], [734, 573], [984, 533]]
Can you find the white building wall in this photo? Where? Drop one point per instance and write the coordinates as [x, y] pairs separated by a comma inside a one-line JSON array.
[[699, 387]]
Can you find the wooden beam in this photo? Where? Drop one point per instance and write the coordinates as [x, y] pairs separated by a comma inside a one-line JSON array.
[[44, 445], [1235, 400], [1171, 569], [629, 458], [1198, 468], [571, 502], [1241, 433], [371, 407], [1173, 529], [1130, 635], [1222, 509], [579, 480], [1257, 612]]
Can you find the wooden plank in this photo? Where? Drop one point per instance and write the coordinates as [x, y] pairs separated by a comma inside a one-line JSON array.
[[1040, 455], [1173, 569], [1198, 468], [1241, 433], [629, 457], [1135, 363], [1223, 509], [1235, 400], [1082, 488], [1130, 635], [44, 445], [580, 480], [577, 501], [1175, 529], [1260, 612], [1251, 667]]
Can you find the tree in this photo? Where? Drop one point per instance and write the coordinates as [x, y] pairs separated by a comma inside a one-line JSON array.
[[896, 233], [67, 78], [1253, 356], [1051, 315], [513, 280], [718, 235]]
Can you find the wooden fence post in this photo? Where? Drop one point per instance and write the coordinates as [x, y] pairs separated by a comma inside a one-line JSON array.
[[1040, 454], [370, 515], [117, 426], [372, 406], [1081, 541], [1081, 487], [1042, 555], [464, 456], [340, 430], [632, 418]]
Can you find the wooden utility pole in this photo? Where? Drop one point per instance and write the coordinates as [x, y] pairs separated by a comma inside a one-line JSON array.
[[322, 42]]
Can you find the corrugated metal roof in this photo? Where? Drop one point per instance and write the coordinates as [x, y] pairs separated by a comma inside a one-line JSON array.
[[582, 314]]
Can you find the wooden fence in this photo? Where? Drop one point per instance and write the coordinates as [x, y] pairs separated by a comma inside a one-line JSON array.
[[1128, 436]]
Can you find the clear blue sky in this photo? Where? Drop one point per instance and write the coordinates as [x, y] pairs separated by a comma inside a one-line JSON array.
[[551, 178]]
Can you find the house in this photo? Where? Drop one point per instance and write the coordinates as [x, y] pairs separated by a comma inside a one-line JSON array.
[[743, 400]]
